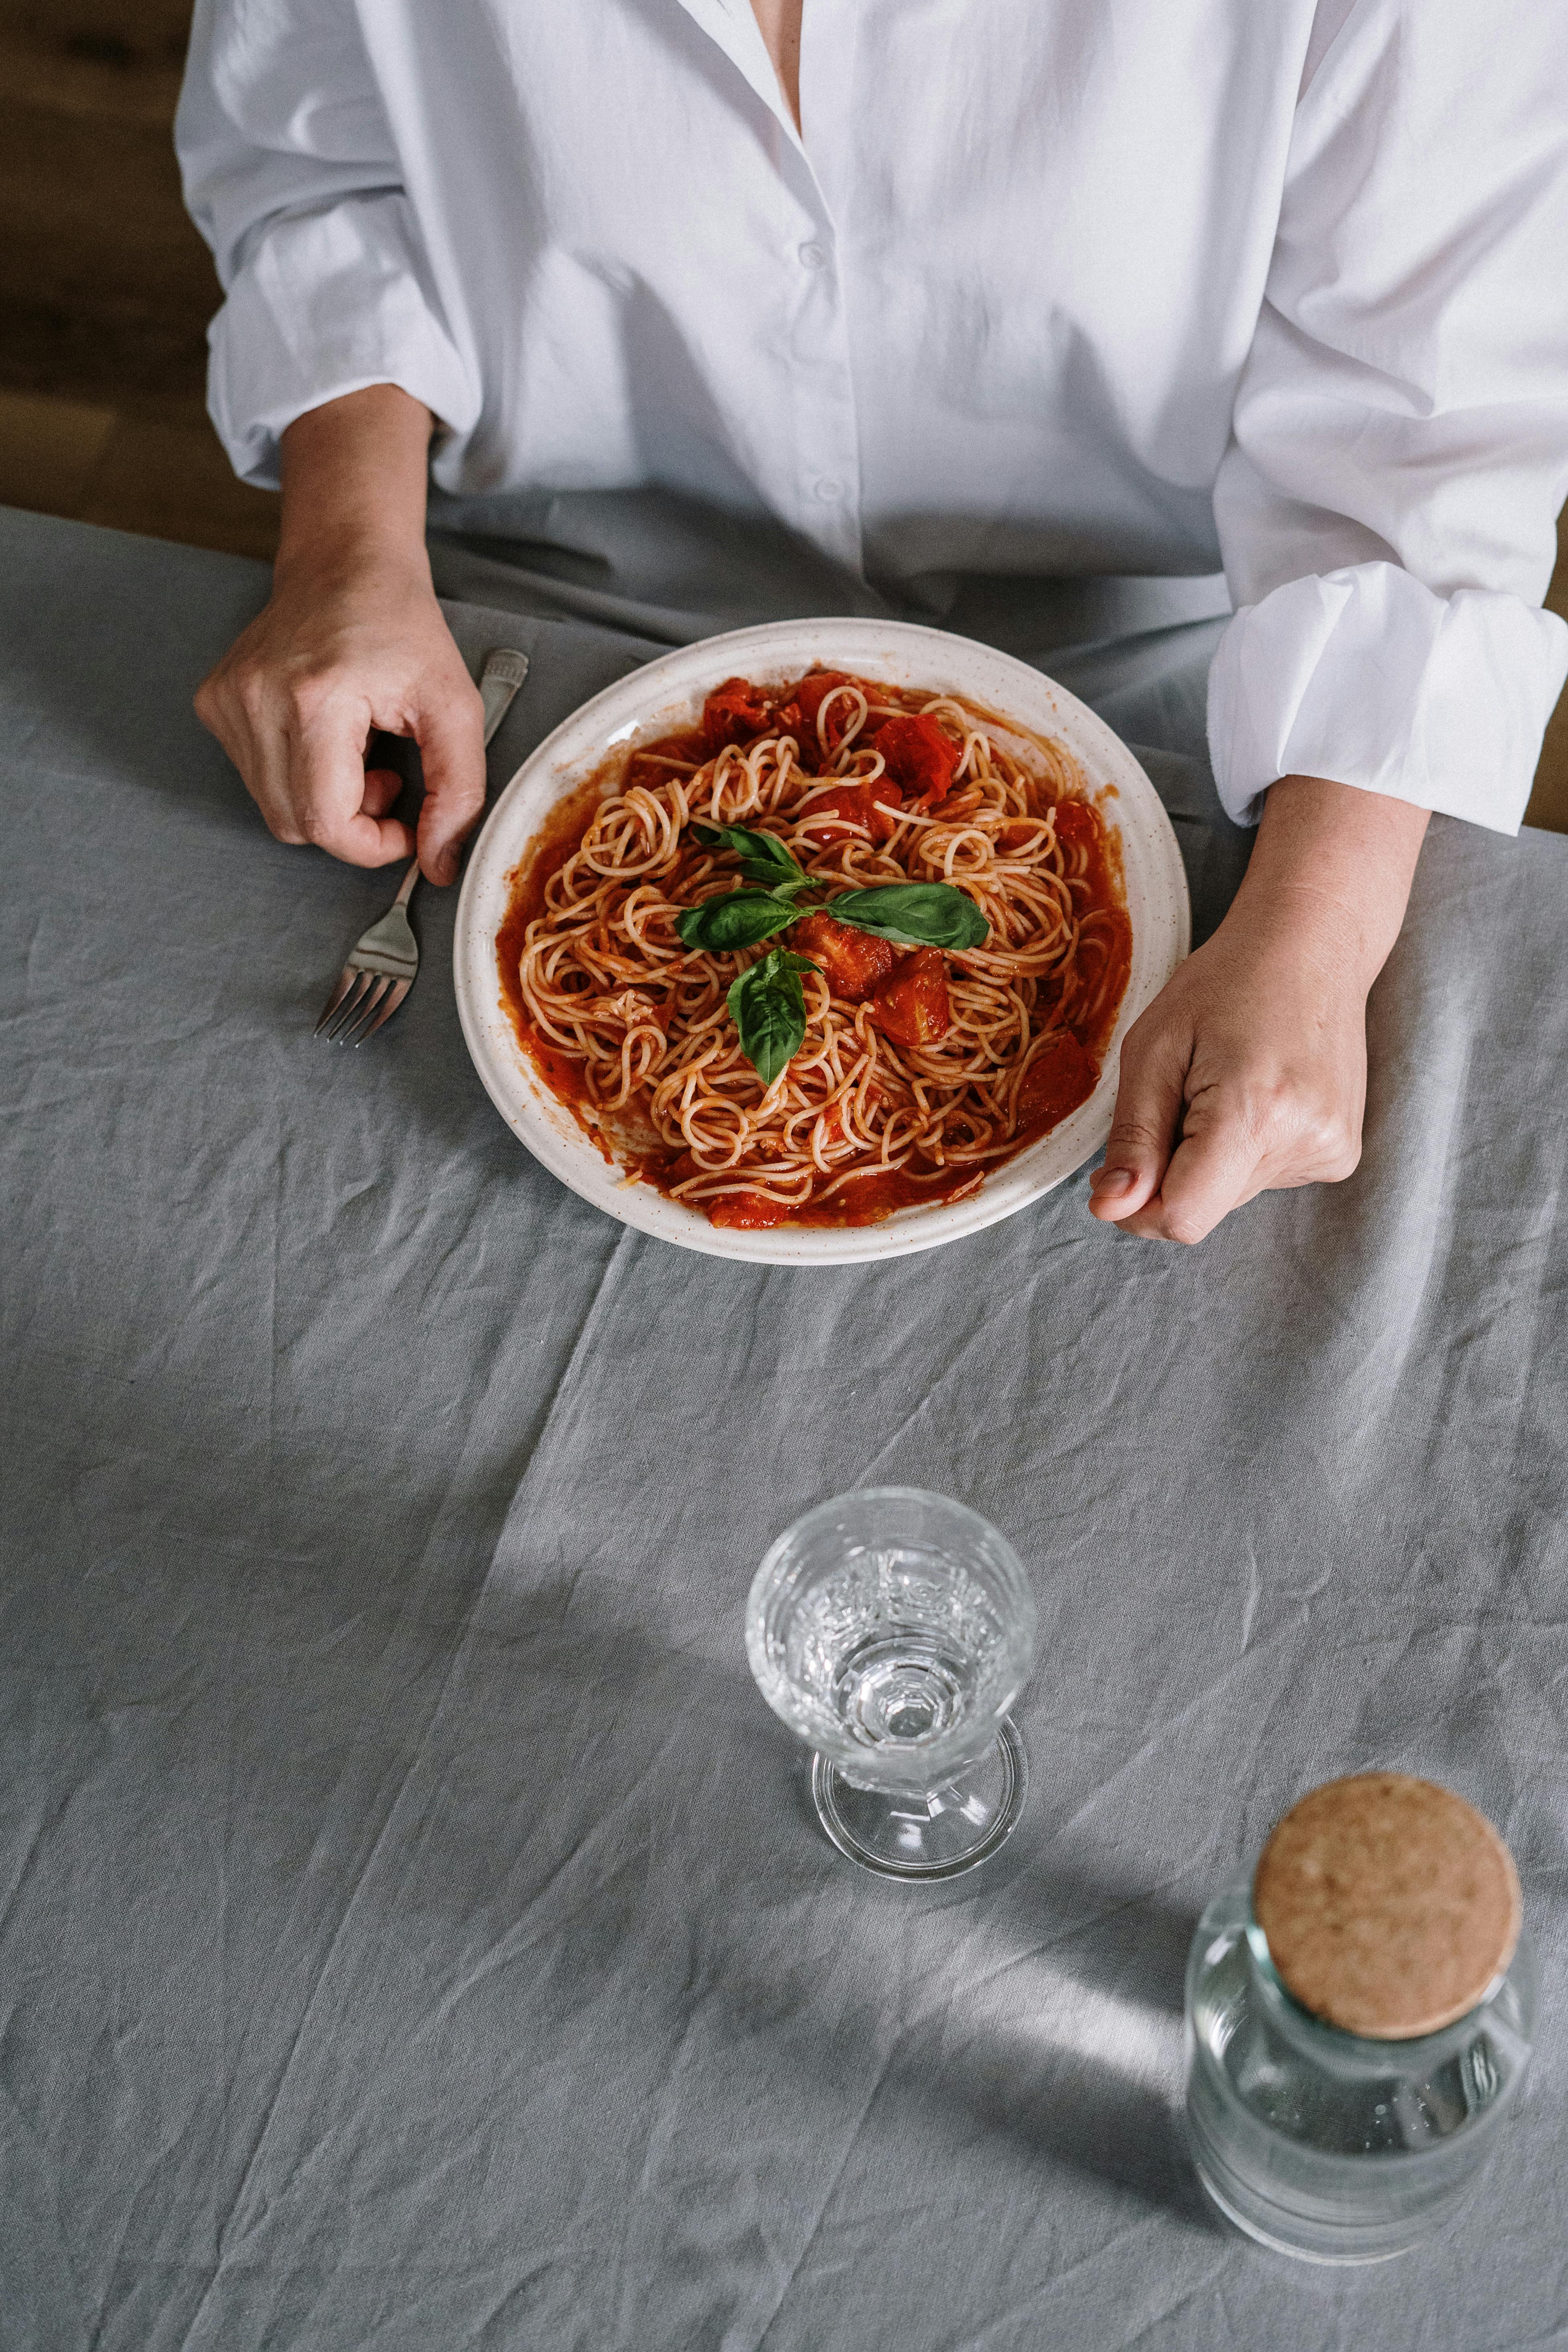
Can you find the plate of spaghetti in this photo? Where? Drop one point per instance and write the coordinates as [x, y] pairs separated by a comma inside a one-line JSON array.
[[815, 942]]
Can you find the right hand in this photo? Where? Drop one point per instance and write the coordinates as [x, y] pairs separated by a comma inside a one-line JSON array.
[[334, 654]]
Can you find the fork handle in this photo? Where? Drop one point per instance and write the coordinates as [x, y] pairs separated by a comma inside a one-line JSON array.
[[504, 672]]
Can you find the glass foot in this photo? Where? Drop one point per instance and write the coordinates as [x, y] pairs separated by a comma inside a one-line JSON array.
[[934, 1836]]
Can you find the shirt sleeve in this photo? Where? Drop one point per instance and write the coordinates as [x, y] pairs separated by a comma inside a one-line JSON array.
[[1400, 444], [291, 174]]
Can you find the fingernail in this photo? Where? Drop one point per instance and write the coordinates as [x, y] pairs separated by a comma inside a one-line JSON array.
[[1109, 1183]]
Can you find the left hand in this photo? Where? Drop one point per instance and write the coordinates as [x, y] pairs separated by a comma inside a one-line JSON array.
[[1248, 1072]]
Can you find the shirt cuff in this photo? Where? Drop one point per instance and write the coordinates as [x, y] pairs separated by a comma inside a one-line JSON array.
[[1368, 677], [325, 304]]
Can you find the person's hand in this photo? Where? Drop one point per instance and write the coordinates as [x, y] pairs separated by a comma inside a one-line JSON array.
[[294, 699], [1249, 1071], [352, 639]]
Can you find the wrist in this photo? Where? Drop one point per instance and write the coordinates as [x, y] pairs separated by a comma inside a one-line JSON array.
[[354, 474], [1284, 920], [320, 565], [1331, 873]]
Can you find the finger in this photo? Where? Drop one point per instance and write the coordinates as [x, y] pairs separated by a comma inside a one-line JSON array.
[[327, 791], [253, 728], [256, 740], [1148, 1111], [1211, 1172], [224, 711], [207, 702], [451, 736], [382, 787]]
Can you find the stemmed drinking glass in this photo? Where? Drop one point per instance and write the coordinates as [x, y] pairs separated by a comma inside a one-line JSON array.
[[892, 1630]]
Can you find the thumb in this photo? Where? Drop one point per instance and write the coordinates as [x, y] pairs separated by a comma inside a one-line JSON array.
[[1144, 1131], [1212, 1171], [451, 739]]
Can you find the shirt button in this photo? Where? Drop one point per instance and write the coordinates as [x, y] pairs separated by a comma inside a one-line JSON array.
[[811, 256], [829, 492]]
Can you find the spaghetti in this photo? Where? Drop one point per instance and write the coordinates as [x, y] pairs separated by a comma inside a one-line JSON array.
[[918, 1071]]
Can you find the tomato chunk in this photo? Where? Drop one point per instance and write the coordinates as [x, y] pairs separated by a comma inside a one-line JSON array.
[[734, 712], [1056, 1081], [809, 696], [1076, 824], [912, 1008], [801, 706], [854, 964], [920, 757], [858, 803]]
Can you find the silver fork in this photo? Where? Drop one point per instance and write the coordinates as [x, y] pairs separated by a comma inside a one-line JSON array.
[[383, 963]]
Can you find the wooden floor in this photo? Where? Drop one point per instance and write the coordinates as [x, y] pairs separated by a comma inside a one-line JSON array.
[[106, 289], [1549, 801]]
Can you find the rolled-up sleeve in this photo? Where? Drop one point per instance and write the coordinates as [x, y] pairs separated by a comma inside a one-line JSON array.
[[291, 174], [1400, 446]]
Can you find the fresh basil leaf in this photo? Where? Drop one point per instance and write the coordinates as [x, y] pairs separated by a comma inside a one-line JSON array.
[[914, 915], [764, 858], [736, 919], [767, 1005]]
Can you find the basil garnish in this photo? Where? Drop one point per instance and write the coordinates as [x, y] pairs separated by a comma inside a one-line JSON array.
[[914, 915], [736, 919], [767, 1005], [764, 858]]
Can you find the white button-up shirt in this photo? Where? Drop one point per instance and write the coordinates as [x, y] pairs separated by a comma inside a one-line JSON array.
[[1048, 287]]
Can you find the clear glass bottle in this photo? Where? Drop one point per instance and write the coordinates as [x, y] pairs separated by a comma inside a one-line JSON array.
[[1329, 2144]]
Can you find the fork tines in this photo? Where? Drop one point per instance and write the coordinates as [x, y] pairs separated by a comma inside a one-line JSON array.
[[359, 1005]]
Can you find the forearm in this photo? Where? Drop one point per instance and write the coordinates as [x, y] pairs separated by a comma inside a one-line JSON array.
[[354, 476]]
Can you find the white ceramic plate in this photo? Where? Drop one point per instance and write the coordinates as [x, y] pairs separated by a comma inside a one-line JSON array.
[[668, 694]]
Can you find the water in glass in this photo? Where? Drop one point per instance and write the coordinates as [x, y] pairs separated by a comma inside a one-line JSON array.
[[892, 1629]]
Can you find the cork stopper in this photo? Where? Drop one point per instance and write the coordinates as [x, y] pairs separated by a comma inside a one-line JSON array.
[[1389, 1904]]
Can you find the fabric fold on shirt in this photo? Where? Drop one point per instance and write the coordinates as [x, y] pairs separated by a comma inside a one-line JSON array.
[[1461, 690], [326, 305]]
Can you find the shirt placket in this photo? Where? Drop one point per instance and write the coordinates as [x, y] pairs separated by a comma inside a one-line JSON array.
[[814, 342], [827, 427]]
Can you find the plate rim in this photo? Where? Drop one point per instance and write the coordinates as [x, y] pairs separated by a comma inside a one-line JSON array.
[[554, 1139]]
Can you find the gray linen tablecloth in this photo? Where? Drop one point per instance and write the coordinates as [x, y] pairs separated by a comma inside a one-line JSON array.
[[413, 1933]]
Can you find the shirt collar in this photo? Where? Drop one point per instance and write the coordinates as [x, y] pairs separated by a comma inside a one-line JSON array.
[[733, 26]]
